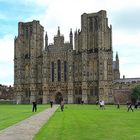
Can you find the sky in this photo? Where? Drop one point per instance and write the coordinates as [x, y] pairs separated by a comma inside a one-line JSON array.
[[124, 16]]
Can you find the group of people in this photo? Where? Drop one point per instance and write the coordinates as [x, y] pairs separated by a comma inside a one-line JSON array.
[[61, 104], [130, 106], [101, 104], [34, 108]]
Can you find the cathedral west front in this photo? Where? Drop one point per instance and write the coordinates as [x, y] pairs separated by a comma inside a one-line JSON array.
[[79, 70]]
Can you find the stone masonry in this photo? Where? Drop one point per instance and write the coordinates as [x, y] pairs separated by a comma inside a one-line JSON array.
[[79, 70]]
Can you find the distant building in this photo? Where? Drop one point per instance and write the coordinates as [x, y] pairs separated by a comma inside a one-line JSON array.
[[122, 89], [6, 93], [84, 71]]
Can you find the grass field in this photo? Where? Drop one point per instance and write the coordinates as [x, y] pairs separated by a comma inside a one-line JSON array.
[[88, 122], [11, 114]]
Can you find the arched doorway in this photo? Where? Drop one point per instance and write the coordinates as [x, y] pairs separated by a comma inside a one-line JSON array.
[[58, 98], [78, 100]]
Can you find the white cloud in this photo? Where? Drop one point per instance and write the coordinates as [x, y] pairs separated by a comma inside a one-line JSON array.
[[6, 60], [124, 38], [7, 48]]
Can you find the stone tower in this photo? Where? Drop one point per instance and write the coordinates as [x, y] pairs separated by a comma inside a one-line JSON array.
[[28, 61], [94, 43]]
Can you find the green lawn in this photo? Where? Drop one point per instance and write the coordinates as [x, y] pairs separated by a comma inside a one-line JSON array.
[[11, 114], [88, 122]]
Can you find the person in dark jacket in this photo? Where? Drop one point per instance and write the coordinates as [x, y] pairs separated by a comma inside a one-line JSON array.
[[118, 105], [34, 106], [62, 105], [130, 107], [51, 103]]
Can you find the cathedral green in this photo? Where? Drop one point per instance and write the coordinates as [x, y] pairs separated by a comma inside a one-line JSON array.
[[88, 122], [11, 114]]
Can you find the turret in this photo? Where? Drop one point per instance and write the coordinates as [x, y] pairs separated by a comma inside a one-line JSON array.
[[71, 37], [117, 58], [58, 32], [76, 40], [117, 61], [75, 33], [46, 41], [116, 68], [15, 40], [59, 39]]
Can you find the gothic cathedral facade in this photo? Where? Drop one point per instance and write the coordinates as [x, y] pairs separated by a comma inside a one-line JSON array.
[[79, 70]]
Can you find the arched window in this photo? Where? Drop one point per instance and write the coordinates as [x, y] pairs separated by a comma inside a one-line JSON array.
[[91, 24], [65, 71], [52, 71], [59, 70]]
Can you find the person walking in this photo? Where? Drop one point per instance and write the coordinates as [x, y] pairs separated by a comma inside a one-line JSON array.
[[130, 107], [62, 105], [136, 105], [100, 103], [51, 103], [118, 105], [34, 109], [97, 102], [103, 104]]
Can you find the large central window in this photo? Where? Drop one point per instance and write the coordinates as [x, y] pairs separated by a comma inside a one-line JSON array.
[[59, 70], [65, 71], [52, 71]]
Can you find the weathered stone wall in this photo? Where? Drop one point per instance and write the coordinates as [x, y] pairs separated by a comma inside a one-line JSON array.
[[59, 71], [7, 93], [122, 89]]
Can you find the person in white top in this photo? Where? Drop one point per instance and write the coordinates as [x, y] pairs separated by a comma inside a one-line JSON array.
[[102, 104]]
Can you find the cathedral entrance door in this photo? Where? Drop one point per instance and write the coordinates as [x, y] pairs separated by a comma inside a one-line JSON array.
[[78, 100], [58, 98]]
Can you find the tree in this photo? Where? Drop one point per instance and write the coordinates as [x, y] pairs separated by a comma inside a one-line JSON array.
[[135, 94]]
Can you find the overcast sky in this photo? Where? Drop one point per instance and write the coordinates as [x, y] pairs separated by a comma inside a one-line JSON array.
[[123, 15]]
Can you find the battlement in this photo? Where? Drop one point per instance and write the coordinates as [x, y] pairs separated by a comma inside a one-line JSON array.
[[29, 27]]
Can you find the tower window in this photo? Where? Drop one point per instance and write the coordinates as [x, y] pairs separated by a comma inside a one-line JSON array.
[[90, 24], [26, 32]]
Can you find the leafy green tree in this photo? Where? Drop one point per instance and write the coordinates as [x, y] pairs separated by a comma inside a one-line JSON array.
[[135, 93]]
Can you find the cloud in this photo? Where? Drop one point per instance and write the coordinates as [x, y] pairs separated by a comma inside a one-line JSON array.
[[7, 73], [7, 48], [6, 60], [125, 39], [130, 71]]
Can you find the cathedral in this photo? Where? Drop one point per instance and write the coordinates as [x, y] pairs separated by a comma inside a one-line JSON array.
[[81, 70]]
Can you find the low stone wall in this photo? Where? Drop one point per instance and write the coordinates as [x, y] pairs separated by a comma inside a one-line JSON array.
[[7, 101]]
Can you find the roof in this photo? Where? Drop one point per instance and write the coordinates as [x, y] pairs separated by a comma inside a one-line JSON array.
[[126, 80]]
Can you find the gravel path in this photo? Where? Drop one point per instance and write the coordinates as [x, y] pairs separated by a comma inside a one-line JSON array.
[[26, 129]]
